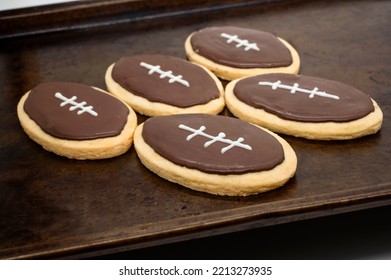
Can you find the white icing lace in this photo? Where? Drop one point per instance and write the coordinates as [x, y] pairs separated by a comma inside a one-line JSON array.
[[75, 105], [295, 87], [218, 138], [165, 74], [240, 43]]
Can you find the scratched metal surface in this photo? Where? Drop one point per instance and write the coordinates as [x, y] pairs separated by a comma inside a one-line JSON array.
[[52, 207]]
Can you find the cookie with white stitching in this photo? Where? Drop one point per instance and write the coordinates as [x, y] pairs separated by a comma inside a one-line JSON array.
[[215, 154], [304, 106], [156, 85], [234, 52], [77, 121]]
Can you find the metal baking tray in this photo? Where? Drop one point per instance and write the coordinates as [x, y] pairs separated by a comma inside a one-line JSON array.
[[53, 207]]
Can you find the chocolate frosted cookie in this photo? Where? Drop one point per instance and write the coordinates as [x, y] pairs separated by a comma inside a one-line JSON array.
[[215, 154], [156, 85], [304, 106], [234, 52], [77, 121]]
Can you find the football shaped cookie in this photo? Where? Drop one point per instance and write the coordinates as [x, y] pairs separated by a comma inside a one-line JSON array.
[[234, 52], [156, 85], [215, 154], [304, 106], [77, 121]]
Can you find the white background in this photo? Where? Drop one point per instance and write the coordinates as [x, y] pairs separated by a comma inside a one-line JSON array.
[[281, 270], [16, 4]]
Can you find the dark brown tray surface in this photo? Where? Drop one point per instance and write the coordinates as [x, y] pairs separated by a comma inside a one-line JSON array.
[[55, 207]]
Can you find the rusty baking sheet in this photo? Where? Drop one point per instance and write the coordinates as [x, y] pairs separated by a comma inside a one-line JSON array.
[[52, 207]]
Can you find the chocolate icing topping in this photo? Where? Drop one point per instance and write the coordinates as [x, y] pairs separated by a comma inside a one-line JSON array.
[[344, 103], [45, 109], [272, 53], [135, 78], [170, 141]]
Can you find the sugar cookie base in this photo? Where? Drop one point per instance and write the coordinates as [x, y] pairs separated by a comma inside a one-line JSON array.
[[369, 124], [79, 149], [231, 73], [148, 108], [227, 185]]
